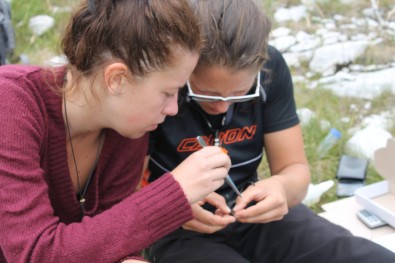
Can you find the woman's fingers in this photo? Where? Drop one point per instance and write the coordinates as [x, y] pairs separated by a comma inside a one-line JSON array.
[[202, 172]]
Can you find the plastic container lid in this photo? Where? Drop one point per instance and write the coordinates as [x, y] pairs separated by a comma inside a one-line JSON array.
[[335, 133]]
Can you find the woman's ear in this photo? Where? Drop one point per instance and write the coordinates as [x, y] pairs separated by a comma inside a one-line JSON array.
[[115, 78]]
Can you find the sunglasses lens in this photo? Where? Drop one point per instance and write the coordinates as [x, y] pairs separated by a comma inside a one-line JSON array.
[[202, 99], [234, 99]]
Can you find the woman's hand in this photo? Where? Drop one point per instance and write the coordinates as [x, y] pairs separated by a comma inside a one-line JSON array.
[[271, 202], [202, 172], [287, 185], [206, 222]]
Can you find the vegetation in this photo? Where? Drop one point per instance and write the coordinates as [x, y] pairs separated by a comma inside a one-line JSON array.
[[39, 48], [326, 106]]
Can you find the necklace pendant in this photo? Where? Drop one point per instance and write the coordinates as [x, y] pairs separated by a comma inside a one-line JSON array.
[[82, 201]]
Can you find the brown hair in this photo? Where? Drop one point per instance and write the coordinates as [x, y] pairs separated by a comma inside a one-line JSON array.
[[235, 33], [141, 33]]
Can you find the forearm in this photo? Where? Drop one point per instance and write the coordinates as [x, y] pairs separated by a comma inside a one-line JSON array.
[[288, 163], [295, 179], [141, 219]]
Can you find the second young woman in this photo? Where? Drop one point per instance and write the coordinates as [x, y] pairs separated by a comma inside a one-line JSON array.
[[240, 96]]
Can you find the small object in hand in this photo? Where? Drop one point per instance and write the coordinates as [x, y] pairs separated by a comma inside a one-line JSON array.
[[224, 150], [228, 179]]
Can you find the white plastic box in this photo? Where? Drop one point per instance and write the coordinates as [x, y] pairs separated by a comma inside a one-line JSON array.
[[379, 198]]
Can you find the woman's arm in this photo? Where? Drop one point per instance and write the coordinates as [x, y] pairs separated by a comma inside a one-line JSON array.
[[288, 163], [285, 188]]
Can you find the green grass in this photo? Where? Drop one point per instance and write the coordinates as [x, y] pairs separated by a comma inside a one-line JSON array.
[[331, 108], [38, 48], [325, 105]]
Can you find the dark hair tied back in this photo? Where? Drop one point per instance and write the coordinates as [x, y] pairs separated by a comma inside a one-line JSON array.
[[140, 33]]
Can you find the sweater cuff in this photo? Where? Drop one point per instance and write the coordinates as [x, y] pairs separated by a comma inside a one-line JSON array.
[[165, 206]]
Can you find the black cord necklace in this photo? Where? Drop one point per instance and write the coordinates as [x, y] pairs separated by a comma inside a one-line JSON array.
[[81, 194], [224, 121]]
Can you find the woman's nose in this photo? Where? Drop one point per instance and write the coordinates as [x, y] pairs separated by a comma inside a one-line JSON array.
[[221, 106], [171, 108]]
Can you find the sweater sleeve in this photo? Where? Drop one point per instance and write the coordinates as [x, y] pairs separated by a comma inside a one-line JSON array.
[[123, 230], [29, 229]]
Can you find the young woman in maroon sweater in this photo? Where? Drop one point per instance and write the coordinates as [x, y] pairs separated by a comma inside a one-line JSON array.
[[73, 139]]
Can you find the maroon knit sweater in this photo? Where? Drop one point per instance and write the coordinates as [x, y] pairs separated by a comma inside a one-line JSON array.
[[39, 213]]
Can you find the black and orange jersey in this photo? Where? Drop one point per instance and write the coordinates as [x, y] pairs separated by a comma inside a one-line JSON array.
[[240, 131]]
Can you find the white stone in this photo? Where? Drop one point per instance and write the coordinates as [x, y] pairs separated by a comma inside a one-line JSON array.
[[295, 13], [345, 119], [325, 125], [305, 45], [280, 32], [326, 58], [57, 61], [382, 120], [366, 141], [305, 115], [283, 43], [362, 85], [41, 24], [292, 59]]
